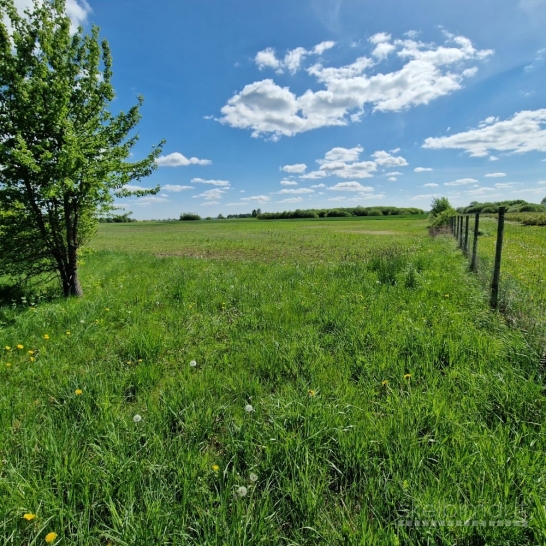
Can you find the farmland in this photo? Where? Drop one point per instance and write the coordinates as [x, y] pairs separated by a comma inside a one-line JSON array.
[[280, 382]]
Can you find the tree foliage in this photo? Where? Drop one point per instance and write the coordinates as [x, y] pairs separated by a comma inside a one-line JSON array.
[[439, 205], [63, 154]]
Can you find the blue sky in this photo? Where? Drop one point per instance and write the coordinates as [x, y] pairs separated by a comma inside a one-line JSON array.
[[323, 103]]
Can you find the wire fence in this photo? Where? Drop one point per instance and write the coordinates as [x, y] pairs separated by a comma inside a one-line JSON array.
[[510, 259]]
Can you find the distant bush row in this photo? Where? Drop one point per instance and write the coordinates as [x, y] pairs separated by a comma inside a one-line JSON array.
[[511, 206], [117, 219], [339, 213], [529, 219]]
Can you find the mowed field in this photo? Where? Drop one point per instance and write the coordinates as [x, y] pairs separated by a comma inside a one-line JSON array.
[[291, 382]]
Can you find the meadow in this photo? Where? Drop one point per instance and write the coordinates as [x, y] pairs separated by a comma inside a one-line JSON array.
[[292, 382]]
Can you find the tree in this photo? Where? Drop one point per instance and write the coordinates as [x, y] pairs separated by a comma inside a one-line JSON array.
[[439, 205], [63, 155], [543, 202]]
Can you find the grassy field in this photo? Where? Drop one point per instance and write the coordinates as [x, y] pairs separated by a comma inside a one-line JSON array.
[[285, 382]]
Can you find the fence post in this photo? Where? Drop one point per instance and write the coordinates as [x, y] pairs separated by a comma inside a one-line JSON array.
[[466, 234], [461, 232], [498, 257], [456, 227], [475, 243]]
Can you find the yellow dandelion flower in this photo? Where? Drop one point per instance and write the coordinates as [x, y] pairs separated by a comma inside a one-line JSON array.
[[8, 364], [46, 336], [78, 392], [32, 359], [29, 517], [385, 382], [8, 348], [68, 332], [446, 296], [20, 346], [50, 537], [311, 392], [31, 352], [407, 376], [107, 308], [215, 468]]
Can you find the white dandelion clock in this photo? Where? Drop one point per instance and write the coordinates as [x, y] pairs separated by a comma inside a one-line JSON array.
[[193, 364], [253, 477], [242, 491], [249, 408], [137, 418]]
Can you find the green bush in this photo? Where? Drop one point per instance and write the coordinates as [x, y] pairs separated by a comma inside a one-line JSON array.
[[185, 216], [443, 218], [374, 212], [338, 214]]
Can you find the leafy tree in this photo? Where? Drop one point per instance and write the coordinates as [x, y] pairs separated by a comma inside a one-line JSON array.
[[63, 155], [438, 205], [543, 202]]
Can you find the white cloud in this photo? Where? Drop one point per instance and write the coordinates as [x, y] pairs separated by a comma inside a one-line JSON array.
[[431, 185], [493, 158], [297, 168], [130, 187], [340, 198], [324, 185], [319, 49], [176, 187], [77, 11], [395, 173], [393, 179], [293, 59], [522, 133], [480, 191], [505, 185], [422, 169], [430, 71], [261, 199], [297, 190], [210, 203], [461, 182], [423, 196], [223, 183], [342, 162], [382, 50], [291, 200], [150, 200], [350, 186], [534, 191], [178, 160], [288, 183], [495, 175], [379, 38], [210, 195], [387, 160]]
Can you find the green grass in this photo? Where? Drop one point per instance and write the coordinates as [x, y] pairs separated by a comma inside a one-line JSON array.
[[313, 324]]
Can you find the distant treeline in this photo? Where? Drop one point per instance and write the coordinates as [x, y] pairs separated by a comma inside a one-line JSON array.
[[117, 219], [518, 205], [339, 213]]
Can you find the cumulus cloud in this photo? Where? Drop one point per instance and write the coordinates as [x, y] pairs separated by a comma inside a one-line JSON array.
[[288, 183], [493, 158], [422, 169], [210, 195], [431, 185], [324, 185], [291, 200], [384, 159], [297, 190], [297, 168], [150, 200], [495, 175], [223, 183], [423, 196], [176, 187], [345, 92], [343, 162], [350, 186], [178, 160], [395, 173], [461, 182], [505, 185], [293, 59], [523, 132], [261, 199]]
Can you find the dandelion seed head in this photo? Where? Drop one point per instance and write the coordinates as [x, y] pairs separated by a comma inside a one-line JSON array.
[[137, 418], [242, 491], [253, 477], [249, 408], [193, 363]]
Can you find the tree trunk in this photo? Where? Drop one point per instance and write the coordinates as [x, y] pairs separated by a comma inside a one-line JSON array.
[[71, 283]]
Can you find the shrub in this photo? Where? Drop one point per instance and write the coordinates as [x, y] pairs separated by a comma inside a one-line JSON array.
[[185, 216], [374, 212], [443, 218]]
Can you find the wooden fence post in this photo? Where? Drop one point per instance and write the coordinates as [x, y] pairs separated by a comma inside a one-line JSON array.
[[473, 266], [465, 248], [498, 257], [461, 231]]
